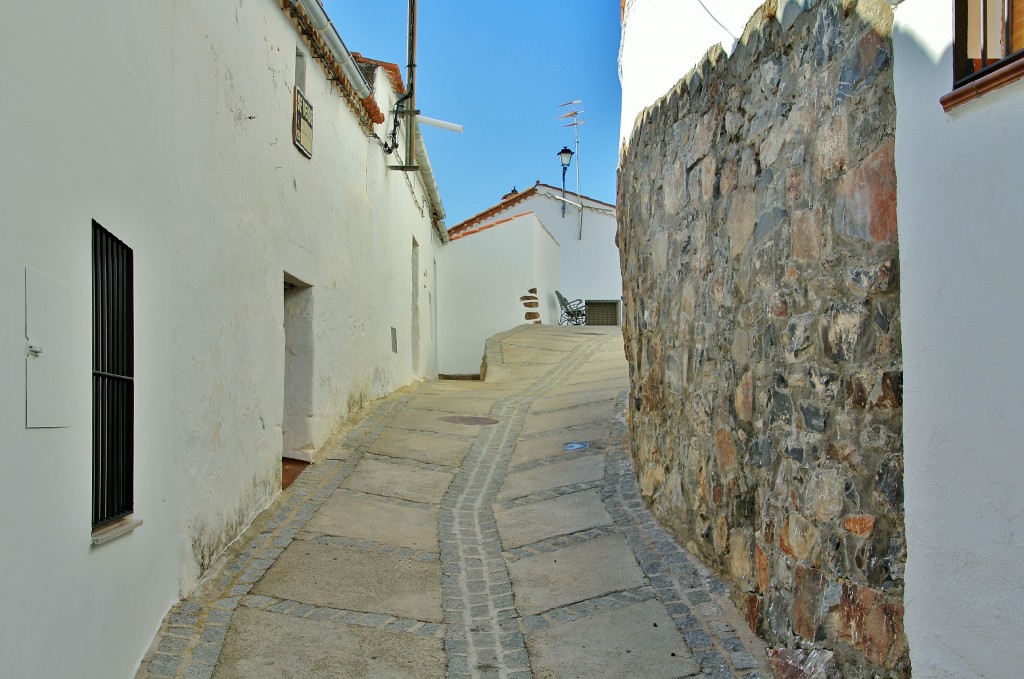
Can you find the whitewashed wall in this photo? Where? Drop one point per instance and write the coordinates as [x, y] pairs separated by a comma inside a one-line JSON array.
[[589, 266], [86, 110], [961, 242], [170, 124], [254, 208], [480, 280], [663, 39]]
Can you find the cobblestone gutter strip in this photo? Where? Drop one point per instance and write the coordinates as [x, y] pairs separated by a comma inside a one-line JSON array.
[[697, 601], [484, 639], [190, 638]]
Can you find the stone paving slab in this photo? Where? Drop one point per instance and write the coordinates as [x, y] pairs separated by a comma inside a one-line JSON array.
[[432, 421], [554, 475], [450, 404], [395, 480], [324, 575], [560, 516], [553, 444], [587, 386], [555, 583], [533, 340], [598, 379], [574, 573], [559, 419], [432, 448], [366, 516], [582, 398], [272, 646], [638, 641], [517, 354]]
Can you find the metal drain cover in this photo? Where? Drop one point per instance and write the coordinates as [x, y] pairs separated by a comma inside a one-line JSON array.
[[469, 419]]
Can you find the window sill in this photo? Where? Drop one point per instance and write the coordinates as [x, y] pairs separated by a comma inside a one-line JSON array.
[[987, 83], [102, 536]]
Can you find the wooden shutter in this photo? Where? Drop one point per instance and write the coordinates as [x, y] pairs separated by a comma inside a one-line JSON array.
[[1017, 26]]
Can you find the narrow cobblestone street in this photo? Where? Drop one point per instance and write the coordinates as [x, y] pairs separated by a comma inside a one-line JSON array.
[[468, 529]]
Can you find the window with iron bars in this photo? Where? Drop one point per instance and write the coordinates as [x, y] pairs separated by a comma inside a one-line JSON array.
[[113, 382], [989, 35]]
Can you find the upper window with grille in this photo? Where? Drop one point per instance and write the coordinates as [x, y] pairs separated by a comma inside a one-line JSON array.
[[113, 343], [989, 36]]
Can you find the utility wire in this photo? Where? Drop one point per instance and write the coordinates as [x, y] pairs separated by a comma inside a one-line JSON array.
[[715, 19]]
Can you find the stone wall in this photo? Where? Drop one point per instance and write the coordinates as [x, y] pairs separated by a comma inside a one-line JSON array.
[[757, 228]]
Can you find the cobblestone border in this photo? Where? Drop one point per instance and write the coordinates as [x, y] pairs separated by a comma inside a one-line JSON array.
[[484, 639], [191, 637], [696, 600]]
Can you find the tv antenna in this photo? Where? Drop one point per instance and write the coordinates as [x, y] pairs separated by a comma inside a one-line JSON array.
[[573, 116]]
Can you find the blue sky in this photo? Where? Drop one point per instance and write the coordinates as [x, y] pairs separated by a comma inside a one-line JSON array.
[[501, 70]]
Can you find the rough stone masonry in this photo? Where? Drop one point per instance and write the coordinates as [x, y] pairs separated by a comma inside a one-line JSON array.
[[758, 236]]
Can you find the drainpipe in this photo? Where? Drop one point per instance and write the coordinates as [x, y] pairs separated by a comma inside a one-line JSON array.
[[323, 26], [409, 101], [410, 104]]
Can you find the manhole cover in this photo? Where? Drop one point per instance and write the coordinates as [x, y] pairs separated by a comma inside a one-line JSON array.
[[469, 419]]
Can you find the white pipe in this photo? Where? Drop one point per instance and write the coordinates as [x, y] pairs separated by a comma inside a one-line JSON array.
[[444, 125], [319, 20]]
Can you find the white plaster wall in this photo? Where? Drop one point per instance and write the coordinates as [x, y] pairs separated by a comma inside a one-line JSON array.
[[663, 39], [961, 241], [400, 210], [255, 208], [480, 280], [589, 266], [170, 124], [86, 113], [547, 272]]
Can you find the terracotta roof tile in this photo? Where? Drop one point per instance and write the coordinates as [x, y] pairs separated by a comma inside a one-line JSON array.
[[393, 71], [509, 201], [470, 232]]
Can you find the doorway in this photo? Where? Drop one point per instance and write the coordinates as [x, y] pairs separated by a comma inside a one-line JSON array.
[[297, 439], [415, 328]]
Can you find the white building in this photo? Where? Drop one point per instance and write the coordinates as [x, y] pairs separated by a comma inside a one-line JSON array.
[[497, 256], [276, 289], [960, 249]]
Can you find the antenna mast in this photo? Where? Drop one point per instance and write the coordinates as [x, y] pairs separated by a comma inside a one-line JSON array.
[[573, 114]]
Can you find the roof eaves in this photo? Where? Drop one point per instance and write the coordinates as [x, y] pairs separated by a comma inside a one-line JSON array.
[[491, 211], [470, 232]]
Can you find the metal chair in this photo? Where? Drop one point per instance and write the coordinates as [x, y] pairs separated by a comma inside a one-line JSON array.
[[573, 313]]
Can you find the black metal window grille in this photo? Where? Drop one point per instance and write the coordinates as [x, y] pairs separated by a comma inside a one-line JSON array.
[[113, 377], [989, 34]]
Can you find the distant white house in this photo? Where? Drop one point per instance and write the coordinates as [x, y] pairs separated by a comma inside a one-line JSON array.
[[206, 257], [531, 240]]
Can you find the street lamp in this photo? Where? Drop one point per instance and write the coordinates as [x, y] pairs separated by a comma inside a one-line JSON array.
[[565, 155]]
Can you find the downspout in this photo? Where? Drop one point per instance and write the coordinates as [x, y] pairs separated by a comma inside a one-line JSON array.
[[318, 19], [411, 133]]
